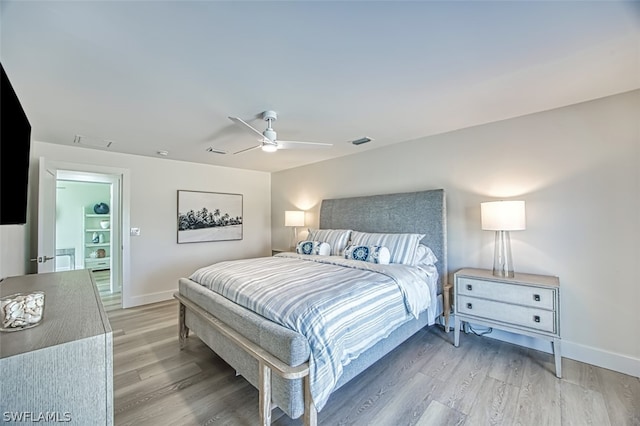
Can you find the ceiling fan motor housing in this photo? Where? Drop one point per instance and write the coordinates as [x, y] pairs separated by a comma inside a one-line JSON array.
[[270, 134]]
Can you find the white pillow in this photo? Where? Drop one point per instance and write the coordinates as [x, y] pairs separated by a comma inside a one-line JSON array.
[[313, 247], [424, 256], [401, 246], [373, 254], [336, 238]]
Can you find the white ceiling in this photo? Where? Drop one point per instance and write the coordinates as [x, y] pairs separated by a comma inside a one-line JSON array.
[[162, 75]]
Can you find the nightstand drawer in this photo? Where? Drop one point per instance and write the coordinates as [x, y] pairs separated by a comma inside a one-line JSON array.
[[504, 292], [535, 319]]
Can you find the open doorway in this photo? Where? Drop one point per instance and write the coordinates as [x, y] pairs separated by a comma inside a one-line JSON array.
[[81, 251], [84, 228]]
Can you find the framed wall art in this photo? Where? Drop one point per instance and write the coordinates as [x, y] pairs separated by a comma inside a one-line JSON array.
[[209, 216]]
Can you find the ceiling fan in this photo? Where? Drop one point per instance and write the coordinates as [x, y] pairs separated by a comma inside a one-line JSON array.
[[268, 138]]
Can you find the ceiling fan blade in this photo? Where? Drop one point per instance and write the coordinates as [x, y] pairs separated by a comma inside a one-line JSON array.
[[248, 149], [302, 145], [247, 126]]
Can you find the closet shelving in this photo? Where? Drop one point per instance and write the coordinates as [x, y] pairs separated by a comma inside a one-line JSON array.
[[92, 232]]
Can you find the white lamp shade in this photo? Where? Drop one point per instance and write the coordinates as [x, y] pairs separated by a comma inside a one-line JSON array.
[[293, 218], [503, 216]]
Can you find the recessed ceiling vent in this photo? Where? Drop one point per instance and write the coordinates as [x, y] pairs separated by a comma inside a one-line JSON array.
[[361, 141], [216, 150], [92, 142]]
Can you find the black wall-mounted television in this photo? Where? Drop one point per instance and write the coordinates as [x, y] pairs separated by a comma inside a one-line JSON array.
[[15, 144]]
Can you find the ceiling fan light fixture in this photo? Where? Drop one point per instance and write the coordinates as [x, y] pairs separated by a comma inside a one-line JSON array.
[[269, 147]]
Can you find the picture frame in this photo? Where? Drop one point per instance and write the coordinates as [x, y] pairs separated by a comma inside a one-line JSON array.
[[209, 216]]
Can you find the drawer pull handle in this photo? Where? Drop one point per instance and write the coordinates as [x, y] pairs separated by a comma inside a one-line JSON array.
[[536, 318], [469, 287], [536, 297], [469, 306]]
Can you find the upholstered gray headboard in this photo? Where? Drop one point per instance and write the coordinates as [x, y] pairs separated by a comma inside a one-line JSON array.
[[422, 212]]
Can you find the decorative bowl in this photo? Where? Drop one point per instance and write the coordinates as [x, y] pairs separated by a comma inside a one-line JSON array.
[[104, 224], [21, 311], [101, 208]]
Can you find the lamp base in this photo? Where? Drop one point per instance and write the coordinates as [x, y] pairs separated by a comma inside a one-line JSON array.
[[502, 260], [294, 239]]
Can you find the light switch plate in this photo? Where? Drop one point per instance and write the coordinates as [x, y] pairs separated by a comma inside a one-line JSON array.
[[135, 232]]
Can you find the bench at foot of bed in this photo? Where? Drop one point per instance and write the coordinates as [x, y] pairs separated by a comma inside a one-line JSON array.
[[267, 363]]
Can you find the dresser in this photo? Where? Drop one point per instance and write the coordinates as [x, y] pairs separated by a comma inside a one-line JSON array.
[[526, 304], [62, 369]]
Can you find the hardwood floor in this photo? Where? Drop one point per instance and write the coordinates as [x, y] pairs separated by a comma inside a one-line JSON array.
[[426, 381], [110, 300]]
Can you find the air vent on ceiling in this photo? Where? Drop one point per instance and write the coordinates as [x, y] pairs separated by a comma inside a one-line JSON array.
[[93, 142], [216, 150], [361, 141]]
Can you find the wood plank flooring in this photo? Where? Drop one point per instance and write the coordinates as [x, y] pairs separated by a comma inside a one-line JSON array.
[[110, 300], [426, 381]]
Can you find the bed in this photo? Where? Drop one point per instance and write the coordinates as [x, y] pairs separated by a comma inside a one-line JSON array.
[[298, 326]]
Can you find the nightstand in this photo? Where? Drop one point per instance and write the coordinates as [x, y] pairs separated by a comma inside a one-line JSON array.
[[526, 304]]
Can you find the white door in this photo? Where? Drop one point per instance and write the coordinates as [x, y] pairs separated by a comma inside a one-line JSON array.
[[46, 218]]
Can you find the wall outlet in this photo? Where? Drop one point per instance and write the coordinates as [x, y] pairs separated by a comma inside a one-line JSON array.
[[135, 232]]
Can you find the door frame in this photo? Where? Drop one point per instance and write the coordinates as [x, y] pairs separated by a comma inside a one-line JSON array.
[[47, 212]]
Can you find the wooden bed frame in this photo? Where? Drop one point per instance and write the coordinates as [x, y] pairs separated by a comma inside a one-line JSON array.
[[415, 212]]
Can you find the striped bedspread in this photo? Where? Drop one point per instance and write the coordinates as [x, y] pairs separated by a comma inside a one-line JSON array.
[[343, 307]]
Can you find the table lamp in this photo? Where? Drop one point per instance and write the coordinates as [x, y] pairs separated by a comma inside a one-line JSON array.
[[502, 217]]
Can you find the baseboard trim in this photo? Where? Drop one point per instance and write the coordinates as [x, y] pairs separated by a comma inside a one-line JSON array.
[[148, 298], [602, 358], [576, 351]]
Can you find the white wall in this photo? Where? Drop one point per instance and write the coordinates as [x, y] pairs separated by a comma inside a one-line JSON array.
[[13, 246], [577, 168], [156, 260]]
